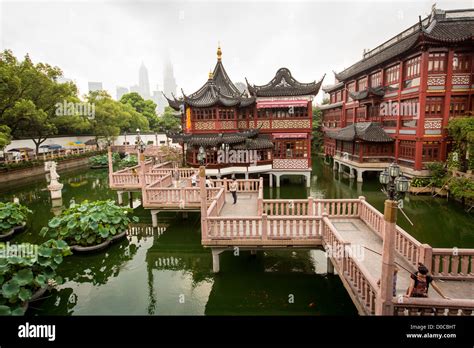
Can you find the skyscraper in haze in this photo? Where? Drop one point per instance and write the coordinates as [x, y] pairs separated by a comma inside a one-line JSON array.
[[95, 86], [143, 82], [121, 91], [169, 83]]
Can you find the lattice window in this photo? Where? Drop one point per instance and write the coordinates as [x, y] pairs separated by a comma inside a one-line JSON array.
[[376, 79], [406, 149], [434, 106], [458, 106], [204, 114], [226, 114], [392, 75], [462, 62], [412, 72], [362, 84], [430, 153], [437, 62]]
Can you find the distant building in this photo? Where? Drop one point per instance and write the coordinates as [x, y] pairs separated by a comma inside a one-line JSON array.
[[143, 82], [169, 82], [135, 88], [160, 100], [121, 91], [95, 86]]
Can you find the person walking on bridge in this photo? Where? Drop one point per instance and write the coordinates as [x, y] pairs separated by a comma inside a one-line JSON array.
[[233, 189], [420, 283]]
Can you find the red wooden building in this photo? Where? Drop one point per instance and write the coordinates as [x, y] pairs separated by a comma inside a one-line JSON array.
[[408, 87], [269, 125]]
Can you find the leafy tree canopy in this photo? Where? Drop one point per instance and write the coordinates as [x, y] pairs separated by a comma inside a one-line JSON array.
[[145, 107]]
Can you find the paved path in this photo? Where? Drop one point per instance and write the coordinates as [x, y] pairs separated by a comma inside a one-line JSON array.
[[246, 205]]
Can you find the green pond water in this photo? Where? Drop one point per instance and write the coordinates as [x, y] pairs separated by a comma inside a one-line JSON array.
[[165, 271]]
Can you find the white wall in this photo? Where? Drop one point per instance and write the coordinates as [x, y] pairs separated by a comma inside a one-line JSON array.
[[63, 141]]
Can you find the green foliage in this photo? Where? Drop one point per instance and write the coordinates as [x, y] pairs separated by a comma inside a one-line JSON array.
[[420, 182], [12, 215], [5, 136], [171, 154], [28, 96], [438, 173], [129, 161], [89, 223], [168, 122], [145, 107], [25, 273], [317, 132], [103, 160], [462, 188], [462, 131]]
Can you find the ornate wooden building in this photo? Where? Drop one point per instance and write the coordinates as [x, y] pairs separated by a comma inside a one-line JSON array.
[[410, 86], [269, 126]]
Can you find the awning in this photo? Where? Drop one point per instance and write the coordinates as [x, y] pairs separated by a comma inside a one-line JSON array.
[[266, 104], [290, 135]]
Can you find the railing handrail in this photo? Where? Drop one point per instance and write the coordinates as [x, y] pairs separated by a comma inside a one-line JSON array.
[[449, 251], [334, 230], [434, 302]]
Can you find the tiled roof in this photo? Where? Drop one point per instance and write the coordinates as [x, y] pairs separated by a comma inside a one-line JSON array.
[[218, 90], [334, 87], [283, 84], [367, 131], [440, 26], [213, 139], [368, 92]]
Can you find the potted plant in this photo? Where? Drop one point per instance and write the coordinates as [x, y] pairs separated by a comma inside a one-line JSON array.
[[12, 219], [90, 226], [28, 272]]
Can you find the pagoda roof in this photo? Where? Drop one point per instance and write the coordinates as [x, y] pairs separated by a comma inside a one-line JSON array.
[[214, 139], [439, 27], [283, 84], [368, 92], [174, 103], [366, 131], [218, 90]]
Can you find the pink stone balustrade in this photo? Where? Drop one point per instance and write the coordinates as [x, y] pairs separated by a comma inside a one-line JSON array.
[[175, 197], [231, 228], [433, 307], [361, 281], [293, 227], [337, 207], [453, 263], [158, 180], [244, 185], [217, 203], [286, 207]]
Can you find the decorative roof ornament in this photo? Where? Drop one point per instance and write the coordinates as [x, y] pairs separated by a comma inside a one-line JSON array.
[[219, 52], [211, 75], [283, 83]]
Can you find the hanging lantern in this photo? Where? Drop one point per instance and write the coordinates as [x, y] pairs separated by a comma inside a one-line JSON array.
[[394, 170], [384, 177], [402, 184]]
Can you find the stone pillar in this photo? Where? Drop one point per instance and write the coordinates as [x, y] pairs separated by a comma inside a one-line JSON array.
[[359, 175], [215, 260], [154, 218], [130, 199], [203, 194], [340, 170], [277, 176], [334, 165], [308, 179], [253, 252], [270, 179], [351, 172], [120, 197], [330, 266], [426, 256], [246, 175], [384, 304]]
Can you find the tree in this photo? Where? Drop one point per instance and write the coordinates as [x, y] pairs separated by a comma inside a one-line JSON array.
[[145, 107], [317, 133], [5, 137], [462, 131], [168, 122], [28, 97], [113, 117]]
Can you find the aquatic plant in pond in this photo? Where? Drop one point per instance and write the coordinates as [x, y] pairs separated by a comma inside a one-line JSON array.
[[25, 270], [89, 223], [12, 215], [100, 161], [128, 161]]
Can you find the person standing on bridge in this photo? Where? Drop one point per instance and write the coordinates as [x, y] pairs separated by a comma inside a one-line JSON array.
[[233, 189]]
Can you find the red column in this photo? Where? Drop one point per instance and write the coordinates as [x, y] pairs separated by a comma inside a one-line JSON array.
[[420, 131], [310, 115], [447, 101]]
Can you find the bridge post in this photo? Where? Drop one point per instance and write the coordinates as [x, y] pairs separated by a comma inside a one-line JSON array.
[[111, 165], [384, 304], [120, 197], [426, 255], [154, 218], [202, 190], [130, 199], [215, 259], [277, 176], [330, 266], [359, 175], [270, 179], [311, 206], [264, 226]]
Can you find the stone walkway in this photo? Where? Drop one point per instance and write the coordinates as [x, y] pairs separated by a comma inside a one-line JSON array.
[[246, 205]]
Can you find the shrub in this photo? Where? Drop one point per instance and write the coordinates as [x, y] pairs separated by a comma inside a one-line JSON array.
[[22, 275], [12, 215], [438, 173], [420, 182], [89, 223], [462, 188]]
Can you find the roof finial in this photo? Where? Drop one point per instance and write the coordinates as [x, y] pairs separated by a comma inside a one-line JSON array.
[[211, 75], [219, 51]]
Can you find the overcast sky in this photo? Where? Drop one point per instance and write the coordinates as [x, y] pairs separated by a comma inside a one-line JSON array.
[[107, 40]]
